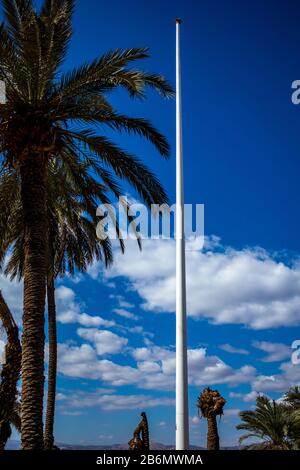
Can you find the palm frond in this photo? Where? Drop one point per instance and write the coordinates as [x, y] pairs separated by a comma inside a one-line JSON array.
[[125, 165]]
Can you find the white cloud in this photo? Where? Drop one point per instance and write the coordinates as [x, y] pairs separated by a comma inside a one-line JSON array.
[[162, 424], [246, 397], [140, 330], [194, 420], [211, 370], [123, 303], [153, 353], [126, 314], [69, 310], [60, 396], [105, 341], [12, 292], [82, 362], [112, 402], [288, 377], [71, 413], [231, 412], [231, 349], [2, 348], [154, 368], [246, 287], [276, 351]]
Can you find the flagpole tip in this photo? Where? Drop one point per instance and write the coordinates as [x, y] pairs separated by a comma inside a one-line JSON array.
[[178, 21]]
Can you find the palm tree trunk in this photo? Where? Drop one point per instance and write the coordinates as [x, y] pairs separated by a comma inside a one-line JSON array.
[[10, 372], [212, 433], [33, 194], [52, 366]]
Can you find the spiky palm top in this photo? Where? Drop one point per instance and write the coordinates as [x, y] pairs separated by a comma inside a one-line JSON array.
[[210, 402]]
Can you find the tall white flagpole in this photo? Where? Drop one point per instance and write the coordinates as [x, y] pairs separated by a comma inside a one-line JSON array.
[[182, 415]]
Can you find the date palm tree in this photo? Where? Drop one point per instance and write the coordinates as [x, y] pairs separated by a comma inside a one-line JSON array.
[[272, 425], [210, 404], [9, 376], [71, 215], [49, 115], [72, 245]]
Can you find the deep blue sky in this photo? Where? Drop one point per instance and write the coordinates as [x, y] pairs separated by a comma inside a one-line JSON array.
[[240, 127], [241, 150]]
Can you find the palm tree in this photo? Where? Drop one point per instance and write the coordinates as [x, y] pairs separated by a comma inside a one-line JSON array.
[[271, 423], [45, 117], [72, 241], [211, 404], [71, 245], [10, 374], [292, 397], [292, 401]]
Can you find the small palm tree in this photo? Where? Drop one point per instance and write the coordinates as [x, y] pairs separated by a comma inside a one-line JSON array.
[[210, 404], [272, 424], [49, 115], [10, 374]]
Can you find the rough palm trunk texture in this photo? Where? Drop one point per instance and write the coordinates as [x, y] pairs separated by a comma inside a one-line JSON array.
[[10, 372], [33, 195], [212, 433], [145, 431], [52, 366]]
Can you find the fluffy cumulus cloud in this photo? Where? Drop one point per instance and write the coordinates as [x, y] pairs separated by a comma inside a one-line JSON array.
[[153, 368], [224, 285], [105, 341], [275, 351], [83, 362], [69, 310]]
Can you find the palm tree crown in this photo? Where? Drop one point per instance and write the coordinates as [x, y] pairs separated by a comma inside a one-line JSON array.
[[210, 404]]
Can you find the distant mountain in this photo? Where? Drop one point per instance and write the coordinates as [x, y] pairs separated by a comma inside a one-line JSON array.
[[15, 445], [154, 446]]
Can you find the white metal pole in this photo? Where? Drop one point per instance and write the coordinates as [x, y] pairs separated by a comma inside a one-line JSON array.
[[182, 415]]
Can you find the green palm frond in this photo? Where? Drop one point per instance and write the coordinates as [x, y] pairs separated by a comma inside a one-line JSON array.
[[292, 397], [72, 201], [272, 423], [98, 76], [56, 32], [17, 14], [125, 165]]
